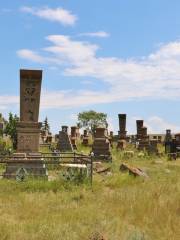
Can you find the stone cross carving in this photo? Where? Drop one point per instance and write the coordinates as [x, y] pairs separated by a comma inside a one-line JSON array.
[[30, 89], [28, 129]]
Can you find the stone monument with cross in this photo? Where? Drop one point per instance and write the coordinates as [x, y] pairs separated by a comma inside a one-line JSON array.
[[27, 155]]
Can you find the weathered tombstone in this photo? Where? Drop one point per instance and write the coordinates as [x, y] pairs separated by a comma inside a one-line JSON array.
[[111, 136], [28, 129], [27, 155], [144, 140], [168, 137], [122, 132], [74, 137], [64, 142], [153, 146], [101, 145], [65, 129], [122, 126], [139, 125], [85, 141], [168, 141]]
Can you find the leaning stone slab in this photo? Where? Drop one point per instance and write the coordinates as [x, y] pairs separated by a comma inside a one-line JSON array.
[[133, 170]]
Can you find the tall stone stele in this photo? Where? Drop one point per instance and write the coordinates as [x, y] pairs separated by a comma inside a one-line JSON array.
[[28, 129], [122, 132], [27, 157]]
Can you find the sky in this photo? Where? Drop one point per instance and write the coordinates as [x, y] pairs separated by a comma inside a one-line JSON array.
[[113, 56]]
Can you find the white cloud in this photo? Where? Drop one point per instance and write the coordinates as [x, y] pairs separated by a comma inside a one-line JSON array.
[[59, 15], [71, 52], [7, 100], [37, 58], [30, 55], [101, 34], [156, 76], [70, 99], [156, 124]]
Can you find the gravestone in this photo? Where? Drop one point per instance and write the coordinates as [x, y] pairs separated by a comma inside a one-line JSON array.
[[153, 148], [85, 141], [101, 145], [111, 137], [27, 155], [122, 126], [28, 129], [64, 144], [122, 132], [74, 137], [139, 125], [168, 141], [143, 139]]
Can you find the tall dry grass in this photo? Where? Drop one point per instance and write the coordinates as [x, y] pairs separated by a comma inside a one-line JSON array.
[[119, 206]]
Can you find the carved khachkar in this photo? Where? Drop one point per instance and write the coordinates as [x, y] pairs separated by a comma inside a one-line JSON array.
[[28, 129], [30, 90], [27, 156]]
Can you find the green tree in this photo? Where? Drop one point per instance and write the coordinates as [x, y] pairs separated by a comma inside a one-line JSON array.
[[45, 125], [91, 120], [10, 128]]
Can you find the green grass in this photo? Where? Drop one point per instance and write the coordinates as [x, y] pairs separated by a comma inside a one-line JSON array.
[[118, 206]]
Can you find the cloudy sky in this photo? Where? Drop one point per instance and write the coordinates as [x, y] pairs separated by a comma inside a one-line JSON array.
[[116, 56]]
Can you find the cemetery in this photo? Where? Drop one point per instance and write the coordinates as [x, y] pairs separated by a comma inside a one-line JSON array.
[[81, 176], [90, 120]]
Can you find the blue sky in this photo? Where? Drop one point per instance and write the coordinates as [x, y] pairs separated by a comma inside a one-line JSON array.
[[118, 56]]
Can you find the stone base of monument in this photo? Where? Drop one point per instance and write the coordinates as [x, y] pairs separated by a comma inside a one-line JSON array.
[[23, 166], [121, 144], [101, 148]]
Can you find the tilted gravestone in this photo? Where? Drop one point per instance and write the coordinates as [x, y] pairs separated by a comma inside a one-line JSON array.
[[27, 155]]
